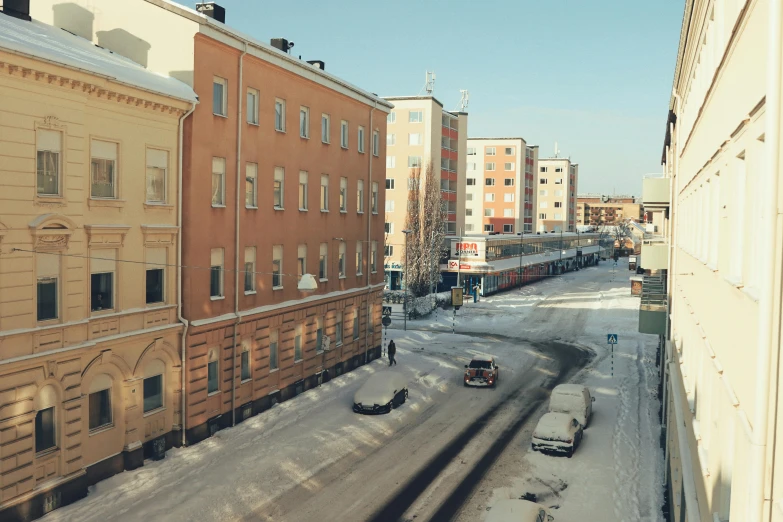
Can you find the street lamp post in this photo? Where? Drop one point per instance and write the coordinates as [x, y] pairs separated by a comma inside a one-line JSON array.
[[405, 298]]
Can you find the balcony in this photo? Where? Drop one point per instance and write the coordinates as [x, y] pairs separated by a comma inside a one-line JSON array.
[[655, 193], [653, 306], [655, 253]]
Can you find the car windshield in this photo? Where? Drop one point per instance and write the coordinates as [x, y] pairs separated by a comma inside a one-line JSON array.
[[485, 365]]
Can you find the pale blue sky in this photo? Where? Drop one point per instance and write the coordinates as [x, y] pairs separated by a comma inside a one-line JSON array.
[[595, 76]]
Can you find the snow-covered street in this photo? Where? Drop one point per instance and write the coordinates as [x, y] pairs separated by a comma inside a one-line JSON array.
[[449, 452]]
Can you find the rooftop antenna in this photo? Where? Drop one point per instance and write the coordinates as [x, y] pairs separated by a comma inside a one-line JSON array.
[[464, 99], [557, 151], [430, 82]]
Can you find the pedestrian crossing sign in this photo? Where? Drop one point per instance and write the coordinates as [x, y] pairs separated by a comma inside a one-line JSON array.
[[611, 338]]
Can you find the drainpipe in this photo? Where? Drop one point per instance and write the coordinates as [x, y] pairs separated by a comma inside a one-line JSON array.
[[768, 341], [179, 269], [236, 242], [369, 224]]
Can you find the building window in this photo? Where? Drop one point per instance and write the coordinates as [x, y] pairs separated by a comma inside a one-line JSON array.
[[542, 181], [251, 174], [414, 139], [471, 165], [360, 136], [413, 183], [356, 325], [103, 169], [324, 193], [389, 184], [468, 212], [471, 151], [471, 182], [338, 329], [509, 151], [489, 228], [388, 250], [374, 257], [508, 229], [44, 430], [509, 182], [304, 122], [558, 204], [489, 212], [157, 169], [301, 260], [489, 166], [319, 334], [558, 169], [341, 260], [99, 402], [322, 260], [388, 228], [343, 194], [216, 273], [468, 227], [359, 257], [277, 267], [48, 274], [325, 131], [558, 216], [414, 161], [415, 117], [103, 266], [273, 352], [213, 384], [250, 269], [344, 134], [49, 145], [542, 192], [543, 204], [489, 197], [219, 96], [543, 169], [153, 391], [252, 106], [156, 262], [391, 117], [218, 182], [490, 151], [374, 202], [391, 162], [391, 139], [303, 190], [280, 115], [468, 197], [246, 374], [559, 181], [298, 343], [508, 198], [559, 193], [389, 205], [376, 145], [489, 182], [508, 212], [278, 190], [738, 219], [360, 196], [542, 216]]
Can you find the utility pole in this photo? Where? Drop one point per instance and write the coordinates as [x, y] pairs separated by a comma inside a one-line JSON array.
[[405, 296]]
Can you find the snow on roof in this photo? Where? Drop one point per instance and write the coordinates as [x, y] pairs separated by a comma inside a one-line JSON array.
[[553, 425], [568, 389], [485, 358], [55, 45], [379, 388]]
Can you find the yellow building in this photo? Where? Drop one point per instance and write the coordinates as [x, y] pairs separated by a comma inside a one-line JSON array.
[[89, 331]]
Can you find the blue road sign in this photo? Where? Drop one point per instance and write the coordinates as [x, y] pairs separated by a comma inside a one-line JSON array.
[[611, 338]]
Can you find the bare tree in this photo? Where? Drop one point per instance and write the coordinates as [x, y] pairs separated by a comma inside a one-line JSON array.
[[425, 220]]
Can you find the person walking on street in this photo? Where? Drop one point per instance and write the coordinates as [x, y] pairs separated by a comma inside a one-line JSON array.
[[392, 350]]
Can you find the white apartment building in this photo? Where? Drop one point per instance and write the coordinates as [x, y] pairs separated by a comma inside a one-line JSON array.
[[557, 180], [421, 133], [500, 186], [718, 261]]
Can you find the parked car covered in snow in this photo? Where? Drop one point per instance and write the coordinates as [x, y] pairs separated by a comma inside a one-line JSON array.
[[573, 399], [482, 371], [382, 392], [516, 510], [557, 433]]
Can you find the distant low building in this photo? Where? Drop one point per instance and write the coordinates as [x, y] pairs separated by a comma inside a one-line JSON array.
[[597, 210]]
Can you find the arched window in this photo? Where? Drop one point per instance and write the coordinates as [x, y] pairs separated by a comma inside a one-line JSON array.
[[213, 385], [100, 402], [46, 419], [153, 385]]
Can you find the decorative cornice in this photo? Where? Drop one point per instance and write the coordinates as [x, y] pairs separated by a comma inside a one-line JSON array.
[[102, 235], [98, 91]]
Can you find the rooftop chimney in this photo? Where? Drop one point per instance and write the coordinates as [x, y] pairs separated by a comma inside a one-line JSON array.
[[317, 63], [212, 10], [17, 8], [282, 44]]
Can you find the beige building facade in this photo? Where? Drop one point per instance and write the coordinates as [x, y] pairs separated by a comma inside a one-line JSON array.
[[597, 210], [421, 133], [716, 253], [90, 343], [556, 185], [499, 189]]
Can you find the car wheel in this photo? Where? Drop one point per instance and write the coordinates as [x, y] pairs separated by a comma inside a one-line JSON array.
[[570, 453]]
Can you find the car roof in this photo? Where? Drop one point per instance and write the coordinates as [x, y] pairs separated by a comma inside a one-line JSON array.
[[555, 420], [569, 389], [513, 509], [485, 358]]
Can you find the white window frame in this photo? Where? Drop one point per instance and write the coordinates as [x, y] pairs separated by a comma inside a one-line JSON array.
[[374, 257], [277, 259], [391, 117], [217, 80], [418, 118], [45, 144], [360, 139], [489, 197], [324, 194], [391, 162], [360, 196], [219, 164], [490, 151], [391, 139], [326, 123], [489, 166], [279, 115], [251, 179], [344, 136], [343, 195], [304, 182], [374, 201], [279, 177], [304, 126], [376, 143], [252, 117]]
